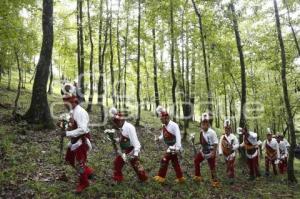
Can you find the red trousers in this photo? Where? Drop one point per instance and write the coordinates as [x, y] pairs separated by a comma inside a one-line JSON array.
[[78, 159], [164, 164], [136, 165], [282, 166], [267, 165], [253, 166], [200, 158], [230, 167], [78, 156]]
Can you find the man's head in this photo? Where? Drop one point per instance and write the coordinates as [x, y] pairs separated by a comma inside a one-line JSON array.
[[279, 137], [227, 127], [164, 118], [269, 134], [163, 114], [118, 120], [69, 96], [205, 121]]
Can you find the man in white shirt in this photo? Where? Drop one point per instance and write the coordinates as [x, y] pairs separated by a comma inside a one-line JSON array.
[[130, 147], [227, 147], [251, 145], [79, 134], [283, 151], [171, 136], [270, 145], [209, 142]]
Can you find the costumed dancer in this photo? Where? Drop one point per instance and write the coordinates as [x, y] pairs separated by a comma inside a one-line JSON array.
[[78, 132], [130, 148], [251, 146], [270, 145], [209, 142], [170, 134], [283, 153], [227, 147]]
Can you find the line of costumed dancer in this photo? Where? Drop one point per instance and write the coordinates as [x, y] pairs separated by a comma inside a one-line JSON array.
[[127, 146]]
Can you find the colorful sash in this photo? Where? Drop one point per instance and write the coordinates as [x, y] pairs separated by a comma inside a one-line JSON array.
[[124, 142], [226, 147], [169, 138], [248, 146], [206, 149], [270, 152]]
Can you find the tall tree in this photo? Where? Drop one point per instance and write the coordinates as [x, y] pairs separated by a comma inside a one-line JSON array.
[[101, 58], [242, 64], [111, 64], [50, 87], [290, 120], [199, 16], [156, 92], [14, 113], [125, 58], [138, 90], [81, 49], [172, 59], [39, 112], [89, 108], [292, 27], [119, 56]]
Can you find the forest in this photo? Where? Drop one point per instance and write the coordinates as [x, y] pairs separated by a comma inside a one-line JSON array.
[[235, 59]]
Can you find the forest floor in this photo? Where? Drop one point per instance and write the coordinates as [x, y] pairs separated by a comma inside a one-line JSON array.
[[30, 165]]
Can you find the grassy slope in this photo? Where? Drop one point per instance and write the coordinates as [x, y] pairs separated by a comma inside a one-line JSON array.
[[30, 166]]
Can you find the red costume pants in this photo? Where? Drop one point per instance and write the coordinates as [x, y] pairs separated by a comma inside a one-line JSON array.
[[253, 166], [78, 159], [282, 166], [164, 164], [230, 167], [136, 165], [267, 165], [200, 158]]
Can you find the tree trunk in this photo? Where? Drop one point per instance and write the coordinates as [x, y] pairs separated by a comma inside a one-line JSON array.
[[119, 57], [111, 65], [81, 72], [291, 126], [14, 113], [89, 108], [156, 92], [125, 61], [193, 83], [138, 95], [1, 71], [243, 72], [204, 56], [101, 59], [50, 88], [39, 112], [9, 78], [34, 71], [292, 28], [172, 61], [80, 51]]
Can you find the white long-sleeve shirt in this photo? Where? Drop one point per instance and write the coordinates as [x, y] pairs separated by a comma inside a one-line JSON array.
[[282, 150], [273, 144], [128, 131], [211, 137], [231, 139], [173, 128], [252, 138], [81, 118]]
